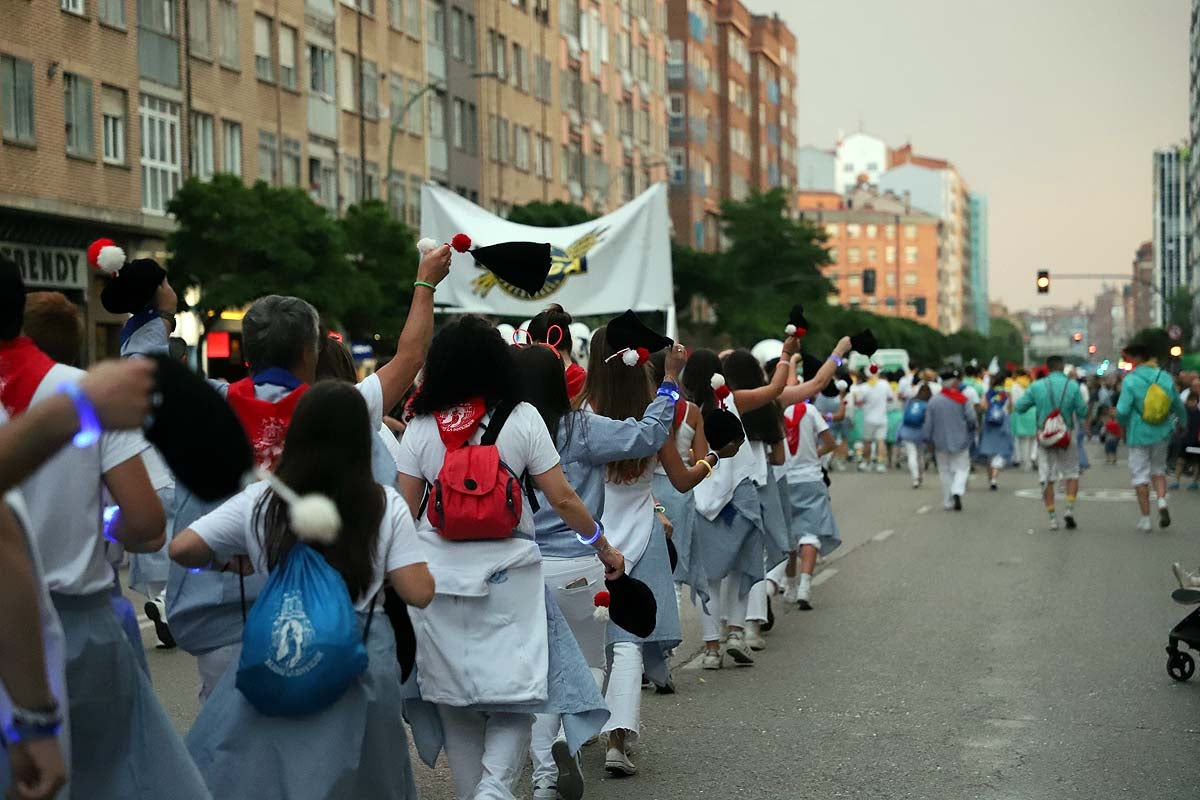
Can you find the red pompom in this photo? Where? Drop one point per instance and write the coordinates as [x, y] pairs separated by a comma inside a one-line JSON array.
[[601, 599], [873, 369], [93, 251], [461, 242], [643, 355], [722, 392], [800, 332]]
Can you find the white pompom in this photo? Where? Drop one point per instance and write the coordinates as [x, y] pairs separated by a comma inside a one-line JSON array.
[[790, 330], [718, 380], [600, 614], [315, 519], [427, 245], [110, 259], [841, 385], [630, 358]]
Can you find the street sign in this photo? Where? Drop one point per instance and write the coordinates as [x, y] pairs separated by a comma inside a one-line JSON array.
[[1175, 332]]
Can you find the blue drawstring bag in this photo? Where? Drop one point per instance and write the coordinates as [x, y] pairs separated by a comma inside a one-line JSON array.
[[914, 414], [301, 647]]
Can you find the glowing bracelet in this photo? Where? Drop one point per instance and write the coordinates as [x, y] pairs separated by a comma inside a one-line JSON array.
[[668, 389], [660, 509], [595, 537], [89, 423], [426, 284], [835, 358]]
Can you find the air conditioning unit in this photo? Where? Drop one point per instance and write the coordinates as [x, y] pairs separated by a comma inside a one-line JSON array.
[[597, 129]]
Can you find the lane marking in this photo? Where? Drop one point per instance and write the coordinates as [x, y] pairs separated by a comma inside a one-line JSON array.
[[823, 576], [924, 509], [882, 536]]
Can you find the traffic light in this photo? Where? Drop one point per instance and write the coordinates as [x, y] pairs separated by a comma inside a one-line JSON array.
[[868, 281], [1043, 282], [1077, 337], [1091, 349], [919, 305]]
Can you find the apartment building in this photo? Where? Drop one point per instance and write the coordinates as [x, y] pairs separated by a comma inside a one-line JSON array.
[[1173, 269], [884, 251], [731, 116]]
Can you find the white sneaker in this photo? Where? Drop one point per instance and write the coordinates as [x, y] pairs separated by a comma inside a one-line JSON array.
[[544, 790], [1054, 523], [570, 777], [881, 467], [862, 466], [1143, 525], [789, 593], [1187, 580], [804, 597], [754, 638], [618, 763], [738, 650], [712, 660]]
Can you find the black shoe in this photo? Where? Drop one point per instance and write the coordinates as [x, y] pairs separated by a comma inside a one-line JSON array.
[[804, 605], [165, 640], [1164, 518], [770, 623], [993, 487], [1069, 521], [958, 502]]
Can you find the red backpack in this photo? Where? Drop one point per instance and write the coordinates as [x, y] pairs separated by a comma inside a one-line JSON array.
[[476, 495]]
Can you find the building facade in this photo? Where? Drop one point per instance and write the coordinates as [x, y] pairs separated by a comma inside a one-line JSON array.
[[860, 156], [977, 228], [1172, 236], [731, 112], [884, 252], [1193, 156], [1107, 331], [1142, 302]]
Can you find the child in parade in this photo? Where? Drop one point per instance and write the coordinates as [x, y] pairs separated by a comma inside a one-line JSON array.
[[995, 438], [911, 433], [813, 529]]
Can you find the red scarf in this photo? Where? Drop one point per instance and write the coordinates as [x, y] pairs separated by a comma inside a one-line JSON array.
[[791, 426], [266, 423], [576, 379], [955, 395], [681, 407], [22, 368], [457, 423]]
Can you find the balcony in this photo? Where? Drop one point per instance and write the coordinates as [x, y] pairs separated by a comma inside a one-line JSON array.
[[158, 57], [322, 117]]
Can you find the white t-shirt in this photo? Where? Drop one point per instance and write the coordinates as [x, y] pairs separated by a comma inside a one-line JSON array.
[[524, 445], [804, 466], [389, 441], [230, 530], [873, 399], [971, 395], [64, 501]]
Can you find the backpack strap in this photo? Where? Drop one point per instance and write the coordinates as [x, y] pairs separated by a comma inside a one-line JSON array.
[[371, 614], [492, 432]]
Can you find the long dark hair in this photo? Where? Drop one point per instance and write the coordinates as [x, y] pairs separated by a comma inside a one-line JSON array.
[[540, 325], [697, 378], [328, 450], [467, 358], [742, 371], [543, 385], [617, 391]]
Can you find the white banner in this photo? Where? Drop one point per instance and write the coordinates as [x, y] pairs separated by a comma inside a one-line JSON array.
[[621, 260]]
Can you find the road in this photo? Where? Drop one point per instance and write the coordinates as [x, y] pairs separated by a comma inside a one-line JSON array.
[[950, 655]]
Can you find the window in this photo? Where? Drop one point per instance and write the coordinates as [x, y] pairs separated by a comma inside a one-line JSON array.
[[161, 170], [231, 158], [502, 146], [890, 279], [831, 229], [542, 81], [74, 6], [539, 156], [678, 166], [322, 182], [198, 34], [910, 279], [471, 135], [854, 279], [910, 231], [112, 118], [889, 254], [262, 48], [320, 71], [77, 113], [414, 199], [833, 255], [396, 98], [371, 178], [287, 57], [16, 91], [412, 20], [351, 184], [370, 79], [520, 71], [872, 255], [437, 116], [910, 254], [112, 12], [872, 231], [347, 82], [398, 196], [521, 143], [469, 30], [416, 112], [853, 255], [267, 155], [460, 114], [202, 145], [396, 20], [435, 23], [291, 162], [853, 230], [227, 20], [457, 36]]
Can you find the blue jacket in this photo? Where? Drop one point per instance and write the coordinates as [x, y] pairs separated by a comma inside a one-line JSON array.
[[1138, 432]]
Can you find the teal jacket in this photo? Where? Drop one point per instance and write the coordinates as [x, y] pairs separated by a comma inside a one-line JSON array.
[[1138, 432], [1046, 394]]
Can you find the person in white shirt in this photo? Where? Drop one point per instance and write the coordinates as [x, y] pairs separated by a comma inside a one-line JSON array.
[[873, 396], [812, 526]]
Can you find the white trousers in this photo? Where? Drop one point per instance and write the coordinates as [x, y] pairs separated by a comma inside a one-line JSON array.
[[585, 577], [725, 603], [624, 690], [1027, 451], [756, 602], [212, 666], [953, 469], [916, 459], [485, 751]]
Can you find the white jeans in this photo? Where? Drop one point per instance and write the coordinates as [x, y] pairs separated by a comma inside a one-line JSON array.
[[1027, 451], [916, 459], [624, 690], [212, 666], [726, 604], [485, 751], [953, 469], [756, 603], [577, 606]]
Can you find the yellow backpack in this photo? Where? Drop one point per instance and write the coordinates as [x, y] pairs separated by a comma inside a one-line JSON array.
[[1156, 406]]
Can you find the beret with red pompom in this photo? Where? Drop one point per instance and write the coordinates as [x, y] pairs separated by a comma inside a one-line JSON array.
[[797, 322], [523, 265], [722, 428]]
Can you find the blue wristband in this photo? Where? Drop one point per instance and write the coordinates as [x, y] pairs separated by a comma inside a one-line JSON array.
[[670, 390], [89, 423], [835, 358], [595, 537]]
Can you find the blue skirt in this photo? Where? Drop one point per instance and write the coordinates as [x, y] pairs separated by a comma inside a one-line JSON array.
[[775, 522], [733, 542], [996, 440], [122, 743], [355, 748], [812, 515], [654, 570], [681, 510], [907, 433]]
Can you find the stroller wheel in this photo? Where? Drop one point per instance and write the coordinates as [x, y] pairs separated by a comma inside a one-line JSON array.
[[1180, 665]]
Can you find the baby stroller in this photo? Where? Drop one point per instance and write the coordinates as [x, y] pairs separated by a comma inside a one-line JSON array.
[[1180, 664]]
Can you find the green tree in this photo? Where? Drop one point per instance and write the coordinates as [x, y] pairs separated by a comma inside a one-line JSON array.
[[236, 243], [550, 215], [1156, 341], [385, 256]]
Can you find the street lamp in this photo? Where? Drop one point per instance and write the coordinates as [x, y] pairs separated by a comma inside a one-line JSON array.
[[397, 118], [1176, 351]]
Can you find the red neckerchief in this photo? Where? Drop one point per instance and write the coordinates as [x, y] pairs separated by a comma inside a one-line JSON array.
[[791, 426], [265, 423], [680, 412], [22, 367], [576, 379], [955, 395], [457, 423]]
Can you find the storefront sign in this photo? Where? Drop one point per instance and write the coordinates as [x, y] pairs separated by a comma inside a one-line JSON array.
[[48, 267]]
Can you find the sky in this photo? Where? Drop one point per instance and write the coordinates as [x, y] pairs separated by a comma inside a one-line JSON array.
[[1050, 108]]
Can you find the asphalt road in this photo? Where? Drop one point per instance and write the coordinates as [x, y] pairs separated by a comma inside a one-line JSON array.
[[950, 655]]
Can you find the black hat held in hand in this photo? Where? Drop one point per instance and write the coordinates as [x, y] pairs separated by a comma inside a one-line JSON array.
[[131, 287], [524, 265], [812, 365], [632, 606], [722, 429], [864, 343], [797, 323]]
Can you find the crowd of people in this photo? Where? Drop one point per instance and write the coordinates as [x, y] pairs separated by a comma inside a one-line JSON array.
[[484, 544]]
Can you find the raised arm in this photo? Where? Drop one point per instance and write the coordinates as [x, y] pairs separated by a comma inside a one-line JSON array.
[[809, 389], [398, 374]]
